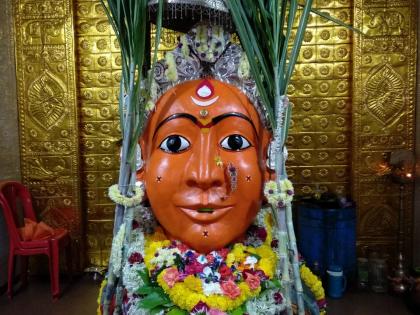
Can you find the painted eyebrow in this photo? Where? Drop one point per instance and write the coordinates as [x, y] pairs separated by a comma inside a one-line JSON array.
[[219, 118], [175, 116], [214, 121]]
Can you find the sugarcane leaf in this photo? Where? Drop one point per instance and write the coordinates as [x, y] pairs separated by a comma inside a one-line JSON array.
[[258, 60], [297, 43], [330, 18]]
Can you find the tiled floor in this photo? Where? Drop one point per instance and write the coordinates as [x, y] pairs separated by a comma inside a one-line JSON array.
[[79, 298]]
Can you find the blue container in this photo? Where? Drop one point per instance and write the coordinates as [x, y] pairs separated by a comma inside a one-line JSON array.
[[336, 282], [328, 237]]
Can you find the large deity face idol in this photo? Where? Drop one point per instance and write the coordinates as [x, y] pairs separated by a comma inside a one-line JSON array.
[[204, 150]]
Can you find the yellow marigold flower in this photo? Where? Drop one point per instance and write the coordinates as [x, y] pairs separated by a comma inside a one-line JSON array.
[[268, 220], [238, 251], [193, 284], [250, 250], [267, 266], [230, 259], [265, 251], [101, 290]]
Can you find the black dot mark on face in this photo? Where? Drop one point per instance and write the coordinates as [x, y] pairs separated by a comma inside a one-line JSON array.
[[206, 233], [248, 178], [159, 179]]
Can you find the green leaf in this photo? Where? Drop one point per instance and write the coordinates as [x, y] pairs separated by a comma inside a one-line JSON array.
[[146, 290], [271, 284], [157, 310], [239, 311], [177, 311], [144, 275], [153, 300]]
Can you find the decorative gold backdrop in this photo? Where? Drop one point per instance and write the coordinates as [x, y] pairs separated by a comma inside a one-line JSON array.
[[346, 113], [383, 115], [48, 112]]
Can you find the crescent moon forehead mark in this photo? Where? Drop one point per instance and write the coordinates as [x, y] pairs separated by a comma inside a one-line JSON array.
[[204, 103]]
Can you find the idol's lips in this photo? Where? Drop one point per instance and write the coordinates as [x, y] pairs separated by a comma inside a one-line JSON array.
[[205, 213]]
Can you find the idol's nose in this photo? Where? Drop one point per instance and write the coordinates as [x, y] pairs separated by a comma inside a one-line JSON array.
[[204, 169]]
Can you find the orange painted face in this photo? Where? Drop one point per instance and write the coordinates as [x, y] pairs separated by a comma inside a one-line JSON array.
[[204, 151]]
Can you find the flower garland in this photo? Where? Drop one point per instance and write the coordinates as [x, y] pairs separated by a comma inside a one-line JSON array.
[[279, 196], [222, 279], [315, 286], [227, 281], [101, 289], [240, 279], [117, 250], [115, 195]]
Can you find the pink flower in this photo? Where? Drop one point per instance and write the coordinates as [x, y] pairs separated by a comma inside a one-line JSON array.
[[252, 281], [214, 311], [194, 267], [182, 247], [171, 276], [230, 289]]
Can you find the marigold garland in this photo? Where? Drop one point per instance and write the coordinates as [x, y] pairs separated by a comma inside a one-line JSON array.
[[233, 275], [98, 300], [315, 286]]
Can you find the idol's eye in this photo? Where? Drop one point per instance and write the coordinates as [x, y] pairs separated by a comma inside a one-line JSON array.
[[174, 144], [235, 143]]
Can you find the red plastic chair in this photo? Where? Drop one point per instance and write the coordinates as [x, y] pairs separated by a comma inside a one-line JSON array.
[[12, 195]]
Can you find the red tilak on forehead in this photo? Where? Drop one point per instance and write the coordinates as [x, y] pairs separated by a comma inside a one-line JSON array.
[[205, 89]]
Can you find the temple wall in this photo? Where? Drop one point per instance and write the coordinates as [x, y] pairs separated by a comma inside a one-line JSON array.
[[9, 132], [69, 159], [416, 223]]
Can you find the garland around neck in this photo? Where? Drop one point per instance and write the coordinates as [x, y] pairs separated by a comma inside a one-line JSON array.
[[220, 282]]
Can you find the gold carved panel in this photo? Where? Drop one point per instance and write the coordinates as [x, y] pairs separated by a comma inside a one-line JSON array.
[[383, 115], [353, 100], [99, 73], [48, 117], [320, 91]]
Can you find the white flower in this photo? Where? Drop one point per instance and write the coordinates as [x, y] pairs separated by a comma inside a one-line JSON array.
[[166, 257], [154, 90], [275, 196], [150, 105], [115, 195], [264, 304], [117, 248], [211, 288], [131, 276], [137, 243], [171, 72], [243, 69], [185, 49], [251, 261]]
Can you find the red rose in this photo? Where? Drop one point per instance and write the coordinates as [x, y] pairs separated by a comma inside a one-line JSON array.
[[225, 272], [230, 289], [224, 252]]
